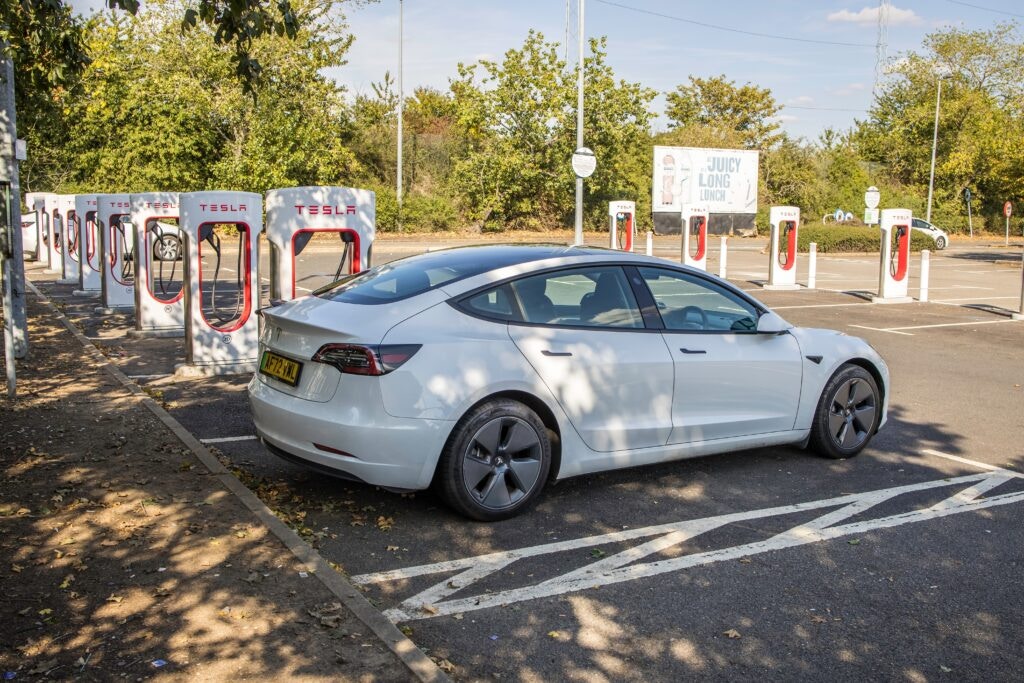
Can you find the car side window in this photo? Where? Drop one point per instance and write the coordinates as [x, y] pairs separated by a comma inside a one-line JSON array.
[[690, 303], [598, 296], [493, 303]]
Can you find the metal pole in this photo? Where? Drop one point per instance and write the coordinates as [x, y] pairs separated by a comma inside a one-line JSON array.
[[1019, 315], [926, 256], [1007, 231], [723, 255], [579, 123], [650, 243], [935, 142], [812, 266], [401, 108], [970, 221], [13, 269]]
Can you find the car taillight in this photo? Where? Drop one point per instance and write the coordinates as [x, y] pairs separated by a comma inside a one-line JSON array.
[[356, 359]]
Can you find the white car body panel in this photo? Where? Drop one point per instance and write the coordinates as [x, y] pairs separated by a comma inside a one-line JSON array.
[[834, 349], [749, 390], [616, 386], [741, 385]]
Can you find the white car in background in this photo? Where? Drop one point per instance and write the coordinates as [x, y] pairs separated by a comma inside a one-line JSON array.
[[28, 233], [937, 234], [486, 371]]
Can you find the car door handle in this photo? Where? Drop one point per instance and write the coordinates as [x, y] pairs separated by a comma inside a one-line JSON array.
[[556, 353], [692, 351]]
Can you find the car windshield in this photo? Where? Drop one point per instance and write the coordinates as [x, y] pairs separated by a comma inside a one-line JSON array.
[[417, 274]]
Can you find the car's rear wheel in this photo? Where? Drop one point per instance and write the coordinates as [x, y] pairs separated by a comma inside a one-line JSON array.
[[940, 242], [495, 462], [167, 248], [847, 414]]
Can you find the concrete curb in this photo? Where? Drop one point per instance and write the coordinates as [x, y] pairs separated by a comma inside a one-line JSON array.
[[418, 663]]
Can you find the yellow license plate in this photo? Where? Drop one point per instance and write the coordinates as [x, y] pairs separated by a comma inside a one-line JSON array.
[[284, 369]]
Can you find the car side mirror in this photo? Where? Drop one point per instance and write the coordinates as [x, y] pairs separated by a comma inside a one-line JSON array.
[[772, 323]]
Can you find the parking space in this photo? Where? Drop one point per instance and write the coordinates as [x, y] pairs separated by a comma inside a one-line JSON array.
[[903, 562]]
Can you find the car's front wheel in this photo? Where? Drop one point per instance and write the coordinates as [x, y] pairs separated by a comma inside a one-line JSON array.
[[940, 242], [847, 414], [495, 462]]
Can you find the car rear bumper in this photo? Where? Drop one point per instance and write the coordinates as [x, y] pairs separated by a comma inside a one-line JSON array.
[[376, 448]]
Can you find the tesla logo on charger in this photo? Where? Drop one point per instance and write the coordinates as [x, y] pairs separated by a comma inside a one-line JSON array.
[[326, 209], [120, 205], [222, 208], [160, 205]]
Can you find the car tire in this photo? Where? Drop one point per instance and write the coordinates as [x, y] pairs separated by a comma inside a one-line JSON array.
[[167, 248], [847, 414], [496, 461], [940, 242]]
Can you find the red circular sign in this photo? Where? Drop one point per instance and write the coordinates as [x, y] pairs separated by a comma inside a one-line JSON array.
[[1007, 209]]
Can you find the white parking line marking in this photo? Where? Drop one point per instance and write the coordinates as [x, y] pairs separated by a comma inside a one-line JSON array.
[[227, 439], [437, 600], [881, 329], [971, 298], [779, 308], [928, 327], [966, 461], [147, 376]]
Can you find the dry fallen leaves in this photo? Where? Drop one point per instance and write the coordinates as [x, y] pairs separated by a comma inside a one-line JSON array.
[[732, 633]]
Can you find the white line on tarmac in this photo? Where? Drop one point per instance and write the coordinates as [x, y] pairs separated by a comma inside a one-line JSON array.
[[881, 329], [928, 327], [227, 439], [972, 298], [623, 566], [779, 308], [972, 463], [148, 376]]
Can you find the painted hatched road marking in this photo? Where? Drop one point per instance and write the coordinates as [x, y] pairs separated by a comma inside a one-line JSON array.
[[437, 600]]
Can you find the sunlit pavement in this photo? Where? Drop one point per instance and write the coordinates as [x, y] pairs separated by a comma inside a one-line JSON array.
[[902, 563]]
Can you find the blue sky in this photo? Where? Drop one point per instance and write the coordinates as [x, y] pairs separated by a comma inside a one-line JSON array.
[[661, 52]]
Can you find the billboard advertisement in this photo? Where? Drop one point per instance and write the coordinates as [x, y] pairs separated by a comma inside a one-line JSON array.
[[723, 180]]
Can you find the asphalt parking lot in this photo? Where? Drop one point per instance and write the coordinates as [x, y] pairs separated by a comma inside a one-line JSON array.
[[903, 563]]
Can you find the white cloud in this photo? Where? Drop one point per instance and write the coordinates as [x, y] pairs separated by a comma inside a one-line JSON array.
[[802, 100], [869, 16], [850, 89]]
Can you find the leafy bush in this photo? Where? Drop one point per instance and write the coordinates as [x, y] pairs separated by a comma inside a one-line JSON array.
[[837, 239], [387, 208], [427, 213]]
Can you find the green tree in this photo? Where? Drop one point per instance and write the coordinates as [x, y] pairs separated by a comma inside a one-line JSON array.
[[721, 105], [518, 120], [981, 123], [162, 109]]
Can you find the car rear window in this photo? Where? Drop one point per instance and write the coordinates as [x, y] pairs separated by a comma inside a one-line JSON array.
[[417, 274]]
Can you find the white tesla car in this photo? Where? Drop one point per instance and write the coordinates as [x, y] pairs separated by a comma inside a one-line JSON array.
[[489, 370]]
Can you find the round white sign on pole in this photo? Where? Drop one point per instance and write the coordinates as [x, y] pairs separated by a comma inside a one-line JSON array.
[[584, 162], [872, 197]]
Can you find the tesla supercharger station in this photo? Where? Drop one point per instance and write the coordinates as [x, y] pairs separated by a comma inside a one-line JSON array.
[[159, 305], [36, 201], [66, 224], [894, 269], [695, 236], [90, 254], [222, 328], [117, 281], [785, 226], [51, 223], [295, 215], [622, 224]]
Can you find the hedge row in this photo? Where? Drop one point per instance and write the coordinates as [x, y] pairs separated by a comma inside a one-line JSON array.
[[835, 239]]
